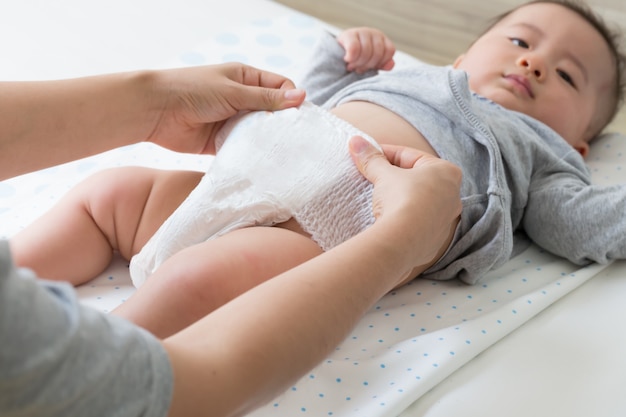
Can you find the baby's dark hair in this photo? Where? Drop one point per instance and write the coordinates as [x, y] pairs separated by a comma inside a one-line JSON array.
[[612, 36]]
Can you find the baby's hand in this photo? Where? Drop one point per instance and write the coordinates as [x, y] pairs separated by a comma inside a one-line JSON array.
[[367, 49]]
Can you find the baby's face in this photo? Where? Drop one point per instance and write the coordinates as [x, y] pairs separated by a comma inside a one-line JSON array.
[[546, 61]]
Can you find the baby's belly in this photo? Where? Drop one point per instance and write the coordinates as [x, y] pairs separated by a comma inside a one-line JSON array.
[[383, 125]]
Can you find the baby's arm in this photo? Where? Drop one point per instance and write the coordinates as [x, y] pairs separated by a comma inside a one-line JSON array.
[[327, 70], [577, 220], [367, 49]]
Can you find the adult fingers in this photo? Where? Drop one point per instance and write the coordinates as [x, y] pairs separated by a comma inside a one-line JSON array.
[[263, 90]]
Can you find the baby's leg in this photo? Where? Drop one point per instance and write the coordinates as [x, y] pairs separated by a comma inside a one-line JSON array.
[[114, 210], [202, 277]]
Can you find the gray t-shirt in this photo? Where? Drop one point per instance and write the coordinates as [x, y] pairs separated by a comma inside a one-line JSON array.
[[61, 358]]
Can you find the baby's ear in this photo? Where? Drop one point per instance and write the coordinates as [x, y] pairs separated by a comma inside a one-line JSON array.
[[458, 60], [583, 149]]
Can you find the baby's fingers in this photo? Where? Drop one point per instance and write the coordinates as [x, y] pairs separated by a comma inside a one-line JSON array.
[[366, 49]]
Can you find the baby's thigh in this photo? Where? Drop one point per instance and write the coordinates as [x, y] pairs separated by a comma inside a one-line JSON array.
[[219, 270], [130, 203], [201, 278]]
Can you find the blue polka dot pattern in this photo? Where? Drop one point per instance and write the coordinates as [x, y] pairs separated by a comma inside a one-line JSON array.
[[227, 38], [270, 40], [390, 337], [270, 44], [278, 61], [302, 22]]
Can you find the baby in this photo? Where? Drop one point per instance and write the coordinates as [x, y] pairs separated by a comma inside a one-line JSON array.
[[516, 112]]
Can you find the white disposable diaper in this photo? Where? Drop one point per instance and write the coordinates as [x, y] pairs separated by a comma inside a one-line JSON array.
[[270, 167]]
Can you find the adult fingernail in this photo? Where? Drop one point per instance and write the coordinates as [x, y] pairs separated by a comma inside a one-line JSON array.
[[294, 94], [359, 144]]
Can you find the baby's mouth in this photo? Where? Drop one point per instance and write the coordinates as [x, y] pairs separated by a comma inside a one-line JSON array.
[[521, 83]]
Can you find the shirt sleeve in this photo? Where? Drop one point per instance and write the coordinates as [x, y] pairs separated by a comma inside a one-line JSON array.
[[61, 358], [577, 220], [327, 71]]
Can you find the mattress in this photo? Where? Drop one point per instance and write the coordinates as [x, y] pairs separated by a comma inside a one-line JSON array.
[[538, 336]]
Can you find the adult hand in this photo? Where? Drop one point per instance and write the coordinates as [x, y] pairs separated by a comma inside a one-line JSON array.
[[408, 181], [181, 109], [196, 101]]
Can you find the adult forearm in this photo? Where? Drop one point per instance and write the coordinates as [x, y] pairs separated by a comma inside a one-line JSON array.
[[48, 122], [274, 334], [70, 119]]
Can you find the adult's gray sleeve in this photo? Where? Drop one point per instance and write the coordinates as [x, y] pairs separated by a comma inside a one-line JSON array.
[[61, 358]]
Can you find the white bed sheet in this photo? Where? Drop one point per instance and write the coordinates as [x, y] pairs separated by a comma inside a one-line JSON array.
[[438, 348]]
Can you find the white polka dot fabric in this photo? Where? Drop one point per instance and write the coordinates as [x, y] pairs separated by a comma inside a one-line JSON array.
[[414, 337]]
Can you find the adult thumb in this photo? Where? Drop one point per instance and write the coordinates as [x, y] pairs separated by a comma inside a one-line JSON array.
[[291, 97], [367, 157], [264, 98]]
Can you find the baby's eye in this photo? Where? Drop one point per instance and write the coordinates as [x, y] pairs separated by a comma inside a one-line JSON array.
[[519, 42], [566, 77]]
